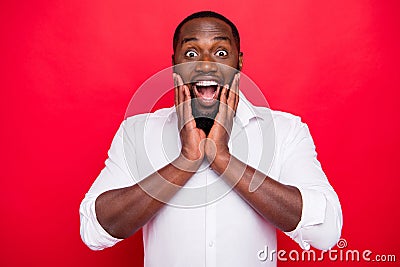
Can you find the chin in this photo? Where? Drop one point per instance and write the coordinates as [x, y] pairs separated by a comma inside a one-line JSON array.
[[204, 116], [204, 111]]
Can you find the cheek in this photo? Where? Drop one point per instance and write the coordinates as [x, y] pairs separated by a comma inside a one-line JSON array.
[[229, 73], [186, 77], [185, 70]]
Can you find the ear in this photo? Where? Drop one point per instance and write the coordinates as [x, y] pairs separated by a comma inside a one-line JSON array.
[[240, 63]]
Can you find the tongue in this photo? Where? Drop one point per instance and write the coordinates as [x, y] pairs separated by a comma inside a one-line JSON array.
[[206, 91]]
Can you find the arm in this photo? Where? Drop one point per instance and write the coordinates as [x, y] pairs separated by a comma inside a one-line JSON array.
[[278, 203], [301, 203], [123, 208], [309, 212], [121, 212]]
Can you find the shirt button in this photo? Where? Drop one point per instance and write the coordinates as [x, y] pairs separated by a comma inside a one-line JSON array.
[[211, 244]]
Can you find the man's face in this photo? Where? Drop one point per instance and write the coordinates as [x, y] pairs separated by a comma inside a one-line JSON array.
[[203, 43]]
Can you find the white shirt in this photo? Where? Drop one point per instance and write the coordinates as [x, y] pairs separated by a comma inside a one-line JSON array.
[[206, 223]]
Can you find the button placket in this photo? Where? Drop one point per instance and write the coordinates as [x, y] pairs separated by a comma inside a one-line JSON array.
[[211, 230]]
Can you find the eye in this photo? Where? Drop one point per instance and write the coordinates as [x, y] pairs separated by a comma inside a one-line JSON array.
[[191, 53], [221, 53]]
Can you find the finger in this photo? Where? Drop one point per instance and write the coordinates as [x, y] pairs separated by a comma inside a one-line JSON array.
[[179, 97], [236, 103], [233, 98], [236, 81], [174, 77], [237, 91], [181, 94], [176, 97], [187, 105], [223, 99], [237, 98]]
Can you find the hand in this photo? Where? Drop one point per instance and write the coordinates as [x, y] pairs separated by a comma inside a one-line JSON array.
[[192, 138], [217, 140]]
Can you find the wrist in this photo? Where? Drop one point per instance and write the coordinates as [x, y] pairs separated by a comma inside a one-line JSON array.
[[221, 161], [184, 163]]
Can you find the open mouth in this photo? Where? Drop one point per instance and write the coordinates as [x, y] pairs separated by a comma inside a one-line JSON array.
[[206, 90]]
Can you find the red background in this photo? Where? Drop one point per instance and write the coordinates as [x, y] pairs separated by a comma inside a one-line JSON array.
[[69, 69]]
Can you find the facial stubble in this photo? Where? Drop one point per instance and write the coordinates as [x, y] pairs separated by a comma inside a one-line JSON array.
[[204, 121]]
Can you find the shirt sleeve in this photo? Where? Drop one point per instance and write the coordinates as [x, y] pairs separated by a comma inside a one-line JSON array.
[[116, 174], [321, 219]]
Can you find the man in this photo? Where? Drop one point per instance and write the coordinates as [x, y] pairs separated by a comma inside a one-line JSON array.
[[219, 139]]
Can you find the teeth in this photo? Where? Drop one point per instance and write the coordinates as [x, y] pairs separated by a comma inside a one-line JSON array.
[[208, 98], [206, 83]]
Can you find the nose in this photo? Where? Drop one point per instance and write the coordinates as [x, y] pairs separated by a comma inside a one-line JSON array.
[[206, 66]]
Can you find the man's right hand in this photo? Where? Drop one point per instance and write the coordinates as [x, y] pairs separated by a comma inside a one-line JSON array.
[[192, 138], [123, 211]]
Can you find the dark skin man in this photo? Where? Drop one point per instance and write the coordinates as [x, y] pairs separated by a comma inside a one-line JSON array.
[[206, 90]]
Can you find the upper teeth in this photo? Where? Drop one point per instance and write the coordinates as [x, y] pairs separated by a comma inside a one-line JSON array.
[[206, 83]]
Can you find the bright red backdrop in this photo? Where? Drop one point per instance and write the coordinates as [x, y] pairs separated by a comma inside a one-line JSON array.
[[69, 68]]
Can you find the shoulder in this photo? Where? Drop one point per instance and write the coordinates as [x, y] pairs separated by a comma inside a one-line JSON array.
[[287, 126], [280, 118], [158, 115], [136, 123]]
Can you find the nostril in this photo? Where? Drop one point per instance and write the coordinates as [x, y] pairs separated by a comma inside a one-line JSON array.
[[206, 66]]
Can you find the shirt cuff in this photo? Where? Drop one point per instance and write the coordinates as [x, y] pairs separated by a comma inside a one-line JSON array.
[[92, 233], [313, 213]]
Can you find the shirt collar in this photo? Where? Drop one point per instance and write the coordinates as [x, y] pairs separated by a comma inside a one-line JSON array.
[[244, 113]]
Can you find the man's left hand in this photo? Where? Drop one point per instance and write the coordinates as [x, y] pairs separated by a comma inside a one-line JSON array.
[[216, 144]]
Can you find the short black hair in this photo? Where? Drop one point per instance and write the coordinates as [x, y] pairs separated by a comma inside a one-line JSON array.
[[206, 14]]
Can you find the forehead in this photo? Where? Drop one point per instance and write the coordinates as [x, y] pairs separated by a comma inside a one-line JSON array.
[[203, 27]]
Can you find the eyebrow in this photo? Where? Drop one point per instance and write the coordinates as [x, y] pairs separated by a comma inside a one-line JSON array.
[[222, 38], [186, 40], [217, 38]]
